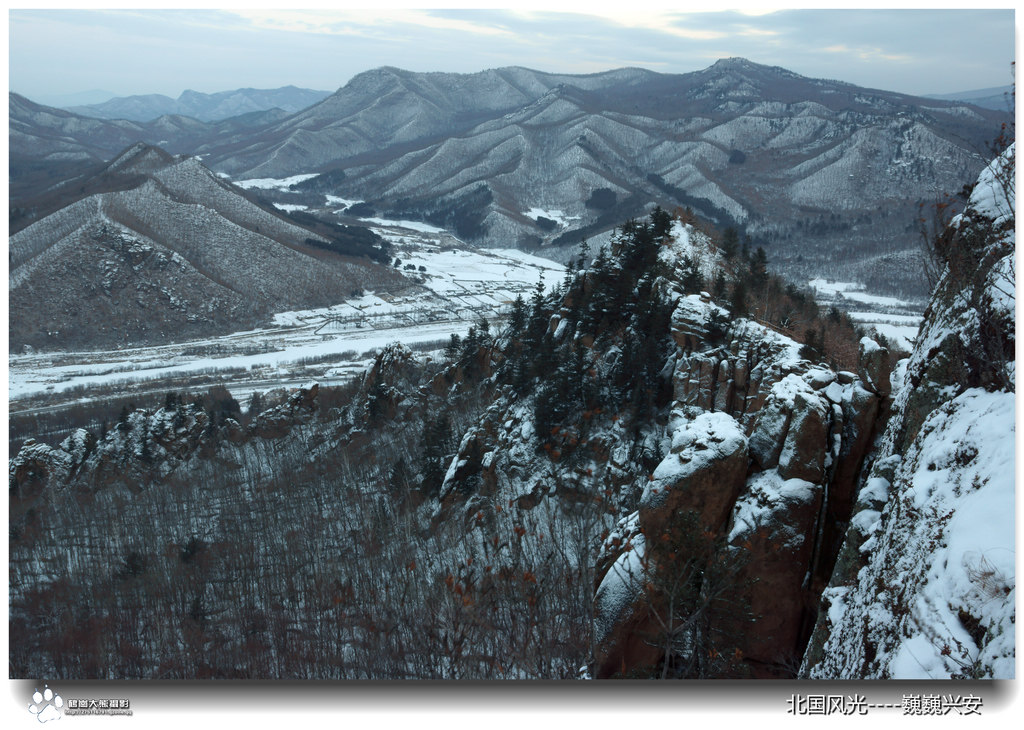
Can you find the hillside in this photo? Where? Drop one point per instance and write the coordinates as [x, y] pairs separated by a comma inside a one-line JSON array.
[[935, 509], [826, 175], [671, 465], [999, 98], [50, 146], [164, 250]]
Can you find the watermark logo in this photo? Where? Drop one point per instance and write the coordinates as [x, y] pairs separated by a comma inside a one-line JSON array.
[[96, 706], [46, 705], [930, 704]]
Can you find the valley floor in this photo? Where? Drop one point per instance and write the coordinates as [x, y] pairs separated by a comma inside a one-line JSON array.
[[458, 286]]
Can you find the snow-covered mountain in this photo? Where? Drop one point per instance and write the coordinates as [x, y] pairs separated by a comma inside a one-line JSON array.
[[671, 465], [999, 98], [158, 249], [48, 146], [826, 175], [205, 107], [818, 171]]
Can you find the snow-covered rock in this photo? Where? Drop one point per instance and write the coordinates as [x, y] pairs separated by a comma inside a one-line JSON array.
[[703, 473], [924, 586]]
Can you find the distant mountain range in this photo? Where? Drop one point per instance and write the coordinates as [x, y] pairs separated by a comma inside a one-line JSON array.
[[49, 145], [78, 98], [997, 97], [825, 175], [156, 248], [204, 107]]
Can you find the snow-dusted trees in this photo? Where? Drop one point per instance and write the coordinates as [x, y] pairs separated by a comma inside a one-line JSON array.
[[692, 588], [435, 449]]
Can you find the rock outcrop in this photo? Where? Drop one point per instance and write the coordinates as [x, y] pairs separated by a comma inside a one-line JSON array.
[[764, 453], [730, 508], [924, 585]]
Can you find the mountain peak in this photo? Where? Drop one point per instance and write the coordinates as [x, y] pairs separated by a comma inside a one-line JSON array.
[[734, 62], [743, 65], [139, 158]]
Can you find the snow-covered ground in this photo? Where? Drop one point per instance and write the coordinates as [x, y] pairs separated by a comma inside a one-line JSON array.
[[897, 320], [846, 290], [553, 214], [270, 183], [411, 225], [344, 202], [899, 329], [458, 286]]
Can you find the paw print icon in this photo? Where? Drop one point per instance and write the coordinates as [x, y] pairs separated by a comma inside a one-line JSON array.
[[46, 705]]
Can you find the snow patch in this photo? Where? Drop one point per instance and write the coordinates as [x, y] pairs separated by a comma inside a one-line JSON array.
[[558, 216], [272, 183], [411, 225]]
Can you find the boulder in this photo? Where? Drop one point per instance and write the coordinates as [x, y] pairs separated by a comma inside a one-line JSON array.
[[770, 425], [275, 422], [860, 414], [803, 452], [874, 366], [622, 616], [704, 473], [35, 466], [725, 389], [773, 526]]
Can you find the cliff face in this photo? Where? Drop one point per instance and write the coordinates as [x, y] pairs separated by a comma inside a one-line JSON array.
[[925, 584], [717, 573]]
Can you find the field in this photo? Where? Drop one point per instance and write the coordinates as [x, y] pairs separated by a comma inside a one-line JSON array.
[[457, 287]]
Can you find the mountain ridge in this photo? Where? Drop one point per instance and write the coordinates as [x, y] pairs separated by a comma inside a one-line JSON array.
[[826, 175], [202, 106], [635, 478], [747, 145]]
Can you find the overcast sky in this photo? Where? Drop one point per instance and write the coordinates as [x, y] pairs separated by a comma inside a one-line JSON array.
[[922, 51]]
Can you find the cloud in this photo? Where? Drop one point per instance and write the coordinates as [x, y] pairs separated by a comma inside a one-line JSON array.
[[752, 31], [362, 22], [866, 53], [166, 51]]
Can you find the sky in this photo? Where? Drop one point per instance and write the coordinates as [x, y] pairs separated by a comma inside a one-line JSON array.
[[126, 51]]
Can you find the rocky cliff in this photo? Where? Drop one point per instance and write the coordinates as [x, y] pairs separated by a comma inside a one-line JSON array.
[[925, 584], [765, 450]]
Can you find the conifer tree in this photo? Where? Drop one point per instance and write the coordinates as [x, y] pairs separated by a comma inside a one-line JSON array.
[[691, 279], [730, 243], [255, 404], [434, 447], [759, 269], [719, 287], [453, 348], [584, 255], [738, 300], [812, 347], [661, 223], [517, 317]]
